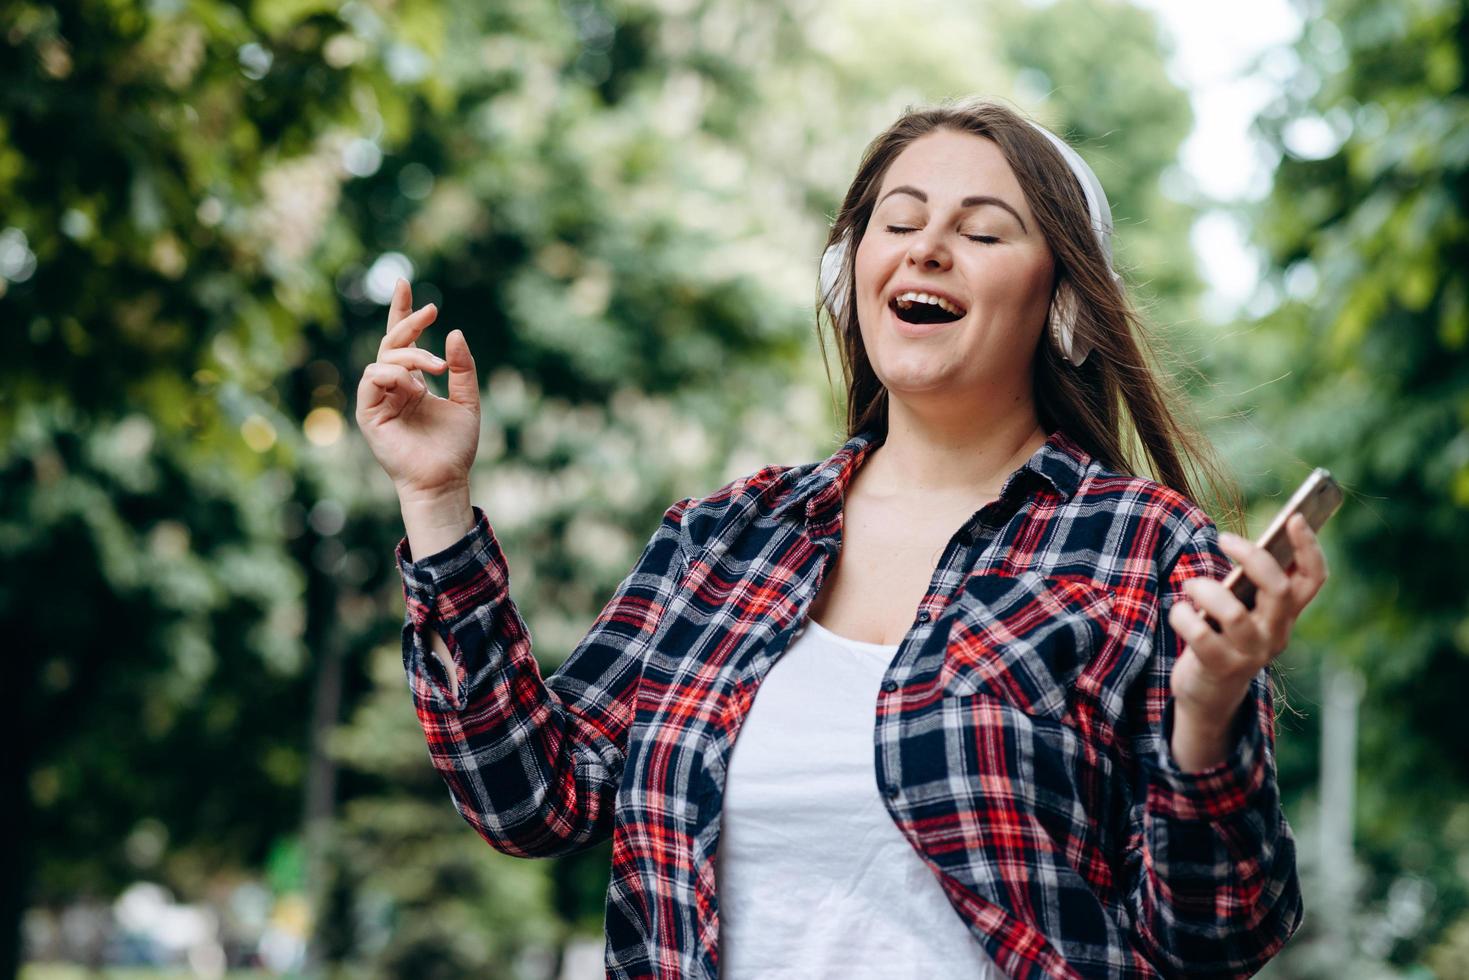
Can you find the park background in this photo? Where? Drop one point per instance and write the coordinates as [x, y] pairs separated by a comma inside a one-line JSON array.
[[211, 758]]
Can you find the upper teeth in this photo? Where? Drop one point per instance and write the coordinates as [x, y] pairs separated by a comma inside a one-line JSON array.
[[909, 298]]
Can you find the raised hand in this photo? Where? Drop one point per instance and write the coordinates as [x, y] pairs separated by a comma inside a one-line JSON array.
[[1212, 677], [425, 443]]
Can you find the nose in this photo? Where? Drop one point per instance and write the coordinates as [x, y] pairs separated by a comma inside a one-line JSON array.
[[928, 251]]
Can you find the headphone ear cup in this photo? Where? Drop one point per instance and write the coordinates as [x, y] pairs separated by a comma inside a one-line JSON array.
[[1061, 319], [832, 261]]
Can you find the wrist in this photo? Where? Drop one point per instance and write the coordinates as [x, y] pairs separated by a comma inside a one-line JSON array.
[[435, 520], [438, 498], [1200, 740]]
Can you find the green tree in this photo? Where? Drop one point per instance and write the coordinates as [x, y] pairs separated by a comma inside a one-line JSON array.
[[199, 206], [151, 581], [1365, 232]]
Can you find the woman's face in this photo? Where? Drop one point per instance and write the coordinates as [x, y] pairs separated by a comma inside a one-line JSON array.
[[951, 220]]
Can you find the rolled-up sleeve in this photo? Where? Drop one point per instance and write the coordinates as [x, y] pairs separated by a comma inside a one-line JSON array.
[[531, 763], [1216, 891]]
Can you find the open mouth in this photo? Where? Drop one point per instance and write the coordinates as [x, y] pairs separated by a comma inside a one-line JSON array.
[[924, 308]]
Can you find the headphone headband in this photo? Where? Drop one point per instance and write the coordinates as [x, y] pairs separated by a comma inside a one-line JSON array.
[[1091, 188]]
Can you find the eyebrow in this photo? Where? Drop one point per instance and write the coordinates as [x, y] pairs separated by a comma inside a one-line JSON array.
[[969, 202]]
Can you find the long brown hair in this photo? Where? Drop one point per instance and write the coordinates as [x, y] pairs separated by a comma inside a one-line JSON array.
[[1088, 401], [1124, 369]]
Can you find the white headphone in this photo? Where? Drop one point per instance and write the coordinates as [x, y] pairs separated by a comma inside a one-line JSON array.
[[1062, 316]]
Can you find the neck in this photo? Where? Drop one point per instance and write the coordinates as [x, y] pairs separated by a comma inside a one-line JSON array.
[[949, 454]]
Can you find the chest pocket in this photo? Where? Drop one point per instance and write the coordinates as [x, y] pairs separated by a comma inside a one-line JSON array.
[[1025, 638]]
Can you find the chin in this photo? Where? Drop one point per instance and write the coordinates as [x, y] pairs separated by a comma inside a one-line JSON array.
[[916, 380]]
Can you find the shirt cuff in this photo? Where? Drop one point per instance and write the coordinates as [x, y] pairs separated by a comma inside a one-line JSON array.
[[1220, 790], [440, 589], [448, 582]]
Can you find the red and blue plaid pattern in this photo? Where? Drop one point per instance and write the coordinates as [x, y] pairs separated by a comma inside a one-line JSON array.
[[1020, 739]]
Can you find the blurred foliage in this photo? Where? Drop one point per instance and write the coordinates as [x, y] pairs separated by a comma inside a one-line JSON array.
[[1119, 108], [1365, 352], [621, 202], [202, 205]]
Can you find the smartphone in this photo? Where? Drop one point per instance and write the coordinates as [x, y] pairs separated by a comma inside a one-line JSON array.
[[1317, 498]]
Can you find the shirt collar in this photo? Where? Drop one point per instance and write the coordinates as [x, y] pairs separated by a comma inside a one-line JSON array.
[[1060, 462]]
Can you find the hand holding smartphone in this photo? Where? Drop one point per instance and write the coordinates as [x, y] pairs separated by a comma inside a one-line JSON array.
[[1317, 498]]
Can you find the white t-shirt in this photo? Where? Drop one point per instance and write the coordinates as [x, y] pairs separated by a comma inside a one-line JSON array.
[[814, 878]]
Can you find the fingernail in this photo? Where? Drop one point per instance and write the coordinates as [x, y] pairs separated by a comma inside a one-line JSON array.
[[436, 361], [1226, 537]]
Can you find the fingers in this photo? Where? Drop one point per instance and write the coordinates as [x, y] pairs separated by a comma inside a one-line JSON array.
[[1241, 630], [406, 330], [1274, 601], [401, 303], [463, 380], [397, 348], [414, 359], [1310, 561], [390, 383], [1216, 652]]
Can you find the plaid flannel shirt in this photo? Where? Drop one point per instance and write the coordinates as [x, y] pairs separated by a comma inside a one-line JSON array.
[[1020, 739]]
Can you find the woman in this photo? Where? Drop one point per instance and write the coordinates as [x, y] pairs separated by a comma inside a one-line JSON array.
[[988, 739]]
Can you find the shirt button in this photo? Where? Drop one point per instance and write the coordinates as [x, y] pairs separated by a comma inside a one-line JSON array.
[[889, 685], [923, 616], [892, 791]]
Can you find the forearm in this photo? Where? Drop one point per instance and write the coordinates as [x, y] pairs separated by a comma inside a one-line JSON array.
[[1218, 893], [524, 769], [1213, 888], [433, 523], [1199, 743]]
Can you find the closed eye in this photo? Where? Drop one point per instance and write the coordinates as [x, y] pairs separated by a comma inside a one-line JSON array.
[[982, 239]]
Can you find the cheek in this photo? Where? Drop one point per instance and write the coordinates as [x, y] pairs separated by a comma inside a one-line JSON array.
[[871, 271], [1017, 278], [877, 255], [867, 268]]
